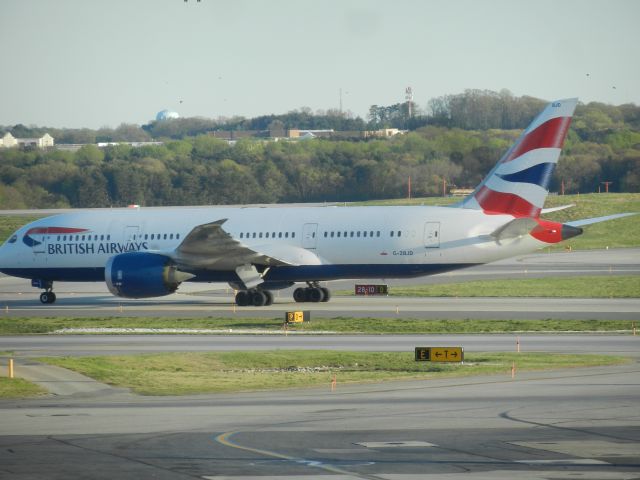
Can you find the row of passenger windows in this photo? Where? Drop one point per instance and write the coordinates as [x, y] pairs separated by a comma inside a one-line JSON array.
[[83, 238], [266, 235], [359, 234], [102, 238], [157, 236], [345, 234]]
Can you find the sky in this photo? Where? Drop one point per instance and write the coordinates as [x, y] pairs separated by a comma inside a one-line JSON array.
[[87, 63]]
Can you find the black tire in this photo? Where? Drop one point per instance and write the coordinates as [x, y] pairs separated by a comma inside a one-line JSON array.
[[315, 295], [242, 298], [300, 294], [269, 296], [258, 298], [327, 294], [47, 297]]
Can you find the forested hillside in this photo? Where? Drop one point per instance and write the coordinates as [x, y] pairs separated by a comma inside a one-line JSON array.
[[458, 139]]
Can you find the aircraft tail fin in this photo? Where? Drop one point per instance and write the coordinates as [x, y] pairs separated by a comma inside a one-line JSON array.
[[519, 183]]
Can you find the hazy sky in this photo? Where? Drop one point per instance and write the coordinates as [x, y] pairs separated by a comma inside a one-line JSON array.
[[90, 63]]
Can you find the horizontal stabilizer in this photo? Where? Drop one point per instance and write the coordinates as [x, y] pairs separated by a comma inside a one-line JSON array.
[[557, 209], [589, 221], [514, 229]]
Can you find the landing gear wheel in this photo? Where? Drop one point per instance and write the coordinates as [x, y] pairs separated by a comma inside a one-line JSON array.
[[258, 298], [242, 298], [327, 294], [47, 297], [269, 296], [300, 294], [315, 295]]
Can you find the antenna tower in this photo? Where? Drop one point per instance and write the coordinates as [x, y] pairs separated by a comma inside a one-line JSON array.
[[408, 95]]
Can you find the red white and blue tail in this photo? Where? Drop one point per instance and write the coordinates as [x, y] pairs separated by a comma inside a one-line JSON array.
[[518, 185]]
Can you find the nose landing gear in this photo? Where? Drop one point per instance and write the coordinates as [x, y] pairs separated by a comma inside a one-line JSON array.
[[47, 297]]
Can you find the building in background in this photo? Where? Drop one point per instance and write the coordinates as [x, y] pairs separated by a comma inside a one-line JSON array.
[[9, 141]]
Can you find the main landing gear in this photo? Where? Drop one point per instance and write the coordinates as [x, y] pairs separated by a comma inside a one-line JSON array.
[[254, 297], [313, 293], [46, 297]]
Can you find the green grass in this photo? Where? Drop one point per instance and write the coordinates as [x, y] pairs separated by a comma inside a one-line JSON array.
[[194, 373], [19, 388], [340, 325], [614, 286], [407, 326]]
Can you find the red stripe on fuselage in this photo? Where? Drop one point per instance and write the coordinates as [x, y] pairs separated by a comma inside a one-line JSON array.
[[550, 134], [493, 202], [54, 230]]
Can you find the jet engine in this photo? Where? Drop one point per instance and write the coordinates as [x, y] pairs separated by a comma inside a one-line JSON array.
[[142, 275]]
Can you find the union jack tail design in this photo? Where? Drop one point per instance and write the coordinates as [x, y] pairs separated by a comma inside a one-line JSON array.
[[518, 185]]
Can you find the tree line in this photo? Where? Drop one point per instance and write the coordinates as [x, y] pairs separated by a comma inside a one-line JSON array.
[[464, 137]]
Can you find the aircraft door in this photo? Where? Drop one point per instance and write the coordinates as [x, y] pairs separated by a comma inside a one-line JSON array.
[[432, 234], [130, 234], [310, 235]]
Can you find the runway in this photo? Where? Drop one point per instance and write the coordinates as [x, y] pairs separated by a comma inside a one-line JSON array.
[[19, 299]]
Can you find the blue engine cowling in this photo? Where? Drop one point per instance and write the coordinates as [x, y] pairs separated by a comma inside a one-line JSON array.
[[142, 275]]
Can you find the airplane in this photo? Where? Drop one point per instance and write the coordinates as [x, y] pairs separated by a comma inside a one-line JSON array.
[[149, 252]]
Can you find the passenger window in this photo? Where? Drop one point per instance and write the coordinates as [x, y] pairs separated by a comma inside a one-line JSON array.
[[260, 235], [241, 235], [364, 234], [293, 234], [331, 234], [358, 233], [254, 234], [326, 234], [279, 234], [399, 233], [286, 234], [391, 234], [177, 235]]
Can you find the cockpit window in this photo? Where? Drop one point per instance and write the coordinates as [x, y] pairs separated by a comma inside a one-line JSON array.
[[13, 239]]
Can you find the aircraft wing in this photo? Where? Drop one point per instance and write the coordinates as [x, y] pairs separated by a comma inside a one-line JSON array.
[[209, 246]]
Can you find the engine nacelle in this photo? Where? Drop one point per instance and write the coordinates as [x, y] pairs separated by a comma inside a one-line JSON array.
[[142, 275]]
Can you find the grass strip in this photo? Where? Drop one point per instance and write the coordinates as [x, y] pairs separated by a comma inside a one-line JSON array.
[[195, 373], [338, 325], [592, 286], [19, 388]]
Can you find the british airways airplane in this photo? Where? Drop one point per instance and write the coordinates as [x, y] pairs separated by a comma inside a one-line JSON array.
[[143, 253]]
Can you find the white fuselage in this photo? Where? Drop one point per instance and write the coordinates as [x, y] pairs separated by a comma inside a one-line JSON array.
[[351, 242]]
